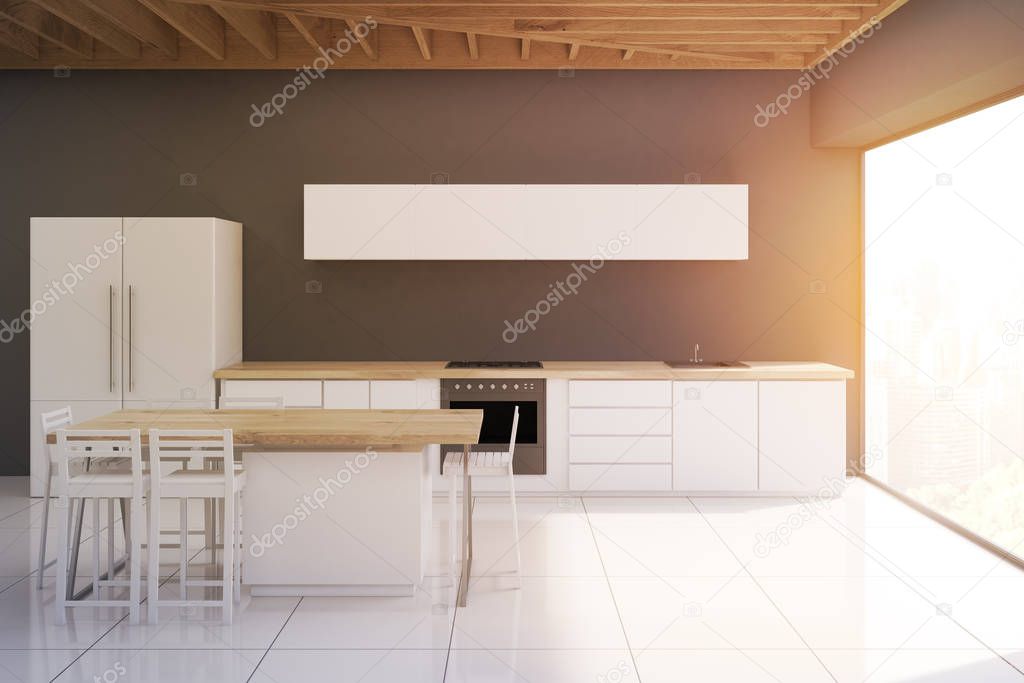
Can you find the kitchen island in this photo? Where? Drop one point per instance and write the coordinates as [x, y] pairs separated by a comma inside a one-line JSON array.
[[337, 502]]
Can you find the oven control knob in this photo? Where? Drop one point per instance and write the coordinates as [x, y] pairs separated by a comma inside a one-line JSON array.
[[515, 386], [479, 386], [457, 387], [492, 386], [504, 386]]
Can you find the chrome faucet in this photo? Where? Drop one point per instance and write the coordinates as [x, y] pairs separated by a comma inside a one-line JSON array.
[[696, 354]]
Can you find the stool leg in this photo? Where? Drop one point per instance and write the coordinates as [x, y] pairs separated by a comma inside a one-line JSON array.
[[228, 556], [153, 557], [110, 538], [95, 548], [46, 519], [135, 559], [238, 548], [515, 524], [63, 532], [183, 541], [453, 511]]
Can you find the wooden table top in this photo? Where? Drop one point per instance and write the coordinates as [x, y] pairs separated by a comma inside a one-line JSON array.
[[314, 429], [382, 370]]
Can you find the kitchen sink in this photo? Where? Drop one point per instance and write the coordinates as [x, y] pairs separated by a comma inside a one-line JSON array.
[[706, 364]]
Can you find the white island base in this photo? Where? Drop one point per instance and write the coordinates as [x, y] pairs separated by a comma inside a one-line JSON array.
[[337, 524]]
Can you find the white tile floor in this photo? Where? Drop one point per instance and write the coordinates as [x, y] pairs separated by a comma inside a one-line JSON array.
[[614, 591]]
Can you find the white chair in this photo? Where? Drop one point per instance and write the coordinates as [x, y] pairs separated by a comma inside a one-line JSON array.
[[224, 483], [485, 464], [51, 422], [81, 445]]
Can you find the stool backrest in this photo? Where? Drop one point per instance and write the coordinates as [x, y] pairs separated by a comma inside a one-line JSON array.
[[173, 445], [95, 446], [246, 402], [515, 428], [51, 422]]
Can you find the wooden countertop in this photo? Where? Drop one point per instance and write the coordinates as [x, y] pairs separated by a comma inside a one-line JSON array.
[[757, 370], [298, 429]]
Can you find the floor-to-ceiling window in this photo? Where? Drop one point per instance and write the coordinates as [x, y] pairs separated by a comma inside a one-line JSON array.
[[944, 320]]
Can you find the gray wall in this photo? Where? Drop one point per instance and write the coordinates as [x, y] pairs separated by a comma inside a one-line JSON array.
[[115, 143]]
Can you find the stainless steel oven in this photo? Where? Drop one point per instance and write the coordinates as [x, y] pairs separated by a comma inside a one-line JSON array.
[[498, 398]]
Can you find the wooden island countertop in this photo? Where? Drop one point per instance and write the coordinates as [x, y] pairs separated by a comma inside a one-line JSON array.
[[297, 429], [382, 370]]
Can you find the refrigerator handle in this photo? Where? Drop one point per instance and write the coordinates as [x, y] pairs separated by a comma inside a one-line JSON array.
[[110, 306], [131, 335]]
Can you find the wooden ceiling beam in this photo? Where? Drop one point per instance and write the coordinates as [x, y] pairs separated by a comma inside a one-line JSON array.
[[257, 27], [588, 40], [632, 4], [19, 39], [198, 23], [87, 21], [628, 54], [671, 25], [764, 39], [397, 50], [530, 12], [473, 46], [35, 20], [853, 29], [136, 20], [314, 30], [370, 50], [423, 37], [574, 51], [524, 48]]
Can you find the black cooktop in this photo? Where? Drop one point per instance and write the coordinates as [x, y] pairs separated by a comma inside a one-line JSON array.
[[467, 364]]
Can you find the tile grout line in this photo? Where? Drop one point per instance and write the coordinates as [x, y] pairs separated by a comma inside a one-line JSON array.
[[611, 593], [19, 511], [112, 627], [455, 612], [276, 636], [923, 597], [762, 589]]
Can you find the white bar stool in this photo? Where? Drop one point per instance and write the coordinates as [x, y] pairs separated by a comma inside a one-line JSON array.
[[225, 483], [77, 445], [484, 464], [50, 422]]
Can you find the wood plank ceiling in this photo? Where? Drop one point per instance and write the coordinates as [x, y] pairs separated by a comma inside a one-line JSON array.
[[442, 34]]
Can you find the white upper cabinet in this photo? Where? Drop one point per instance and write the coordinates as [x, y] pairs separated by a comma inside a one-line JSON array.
[[525, 222]]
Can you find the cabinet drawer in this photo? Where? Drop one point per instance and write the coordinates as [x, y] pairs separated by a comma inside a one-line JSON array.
[[619, 393], [353, 394], [620, 421], [620, 449], [295, 393], [620, 477], [394, 394]]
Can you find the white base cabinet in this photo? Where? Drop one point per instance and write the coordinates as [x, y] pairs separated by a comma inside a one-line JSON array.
[[801, 435], [620, 435], [743, 437], [716, 436]]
